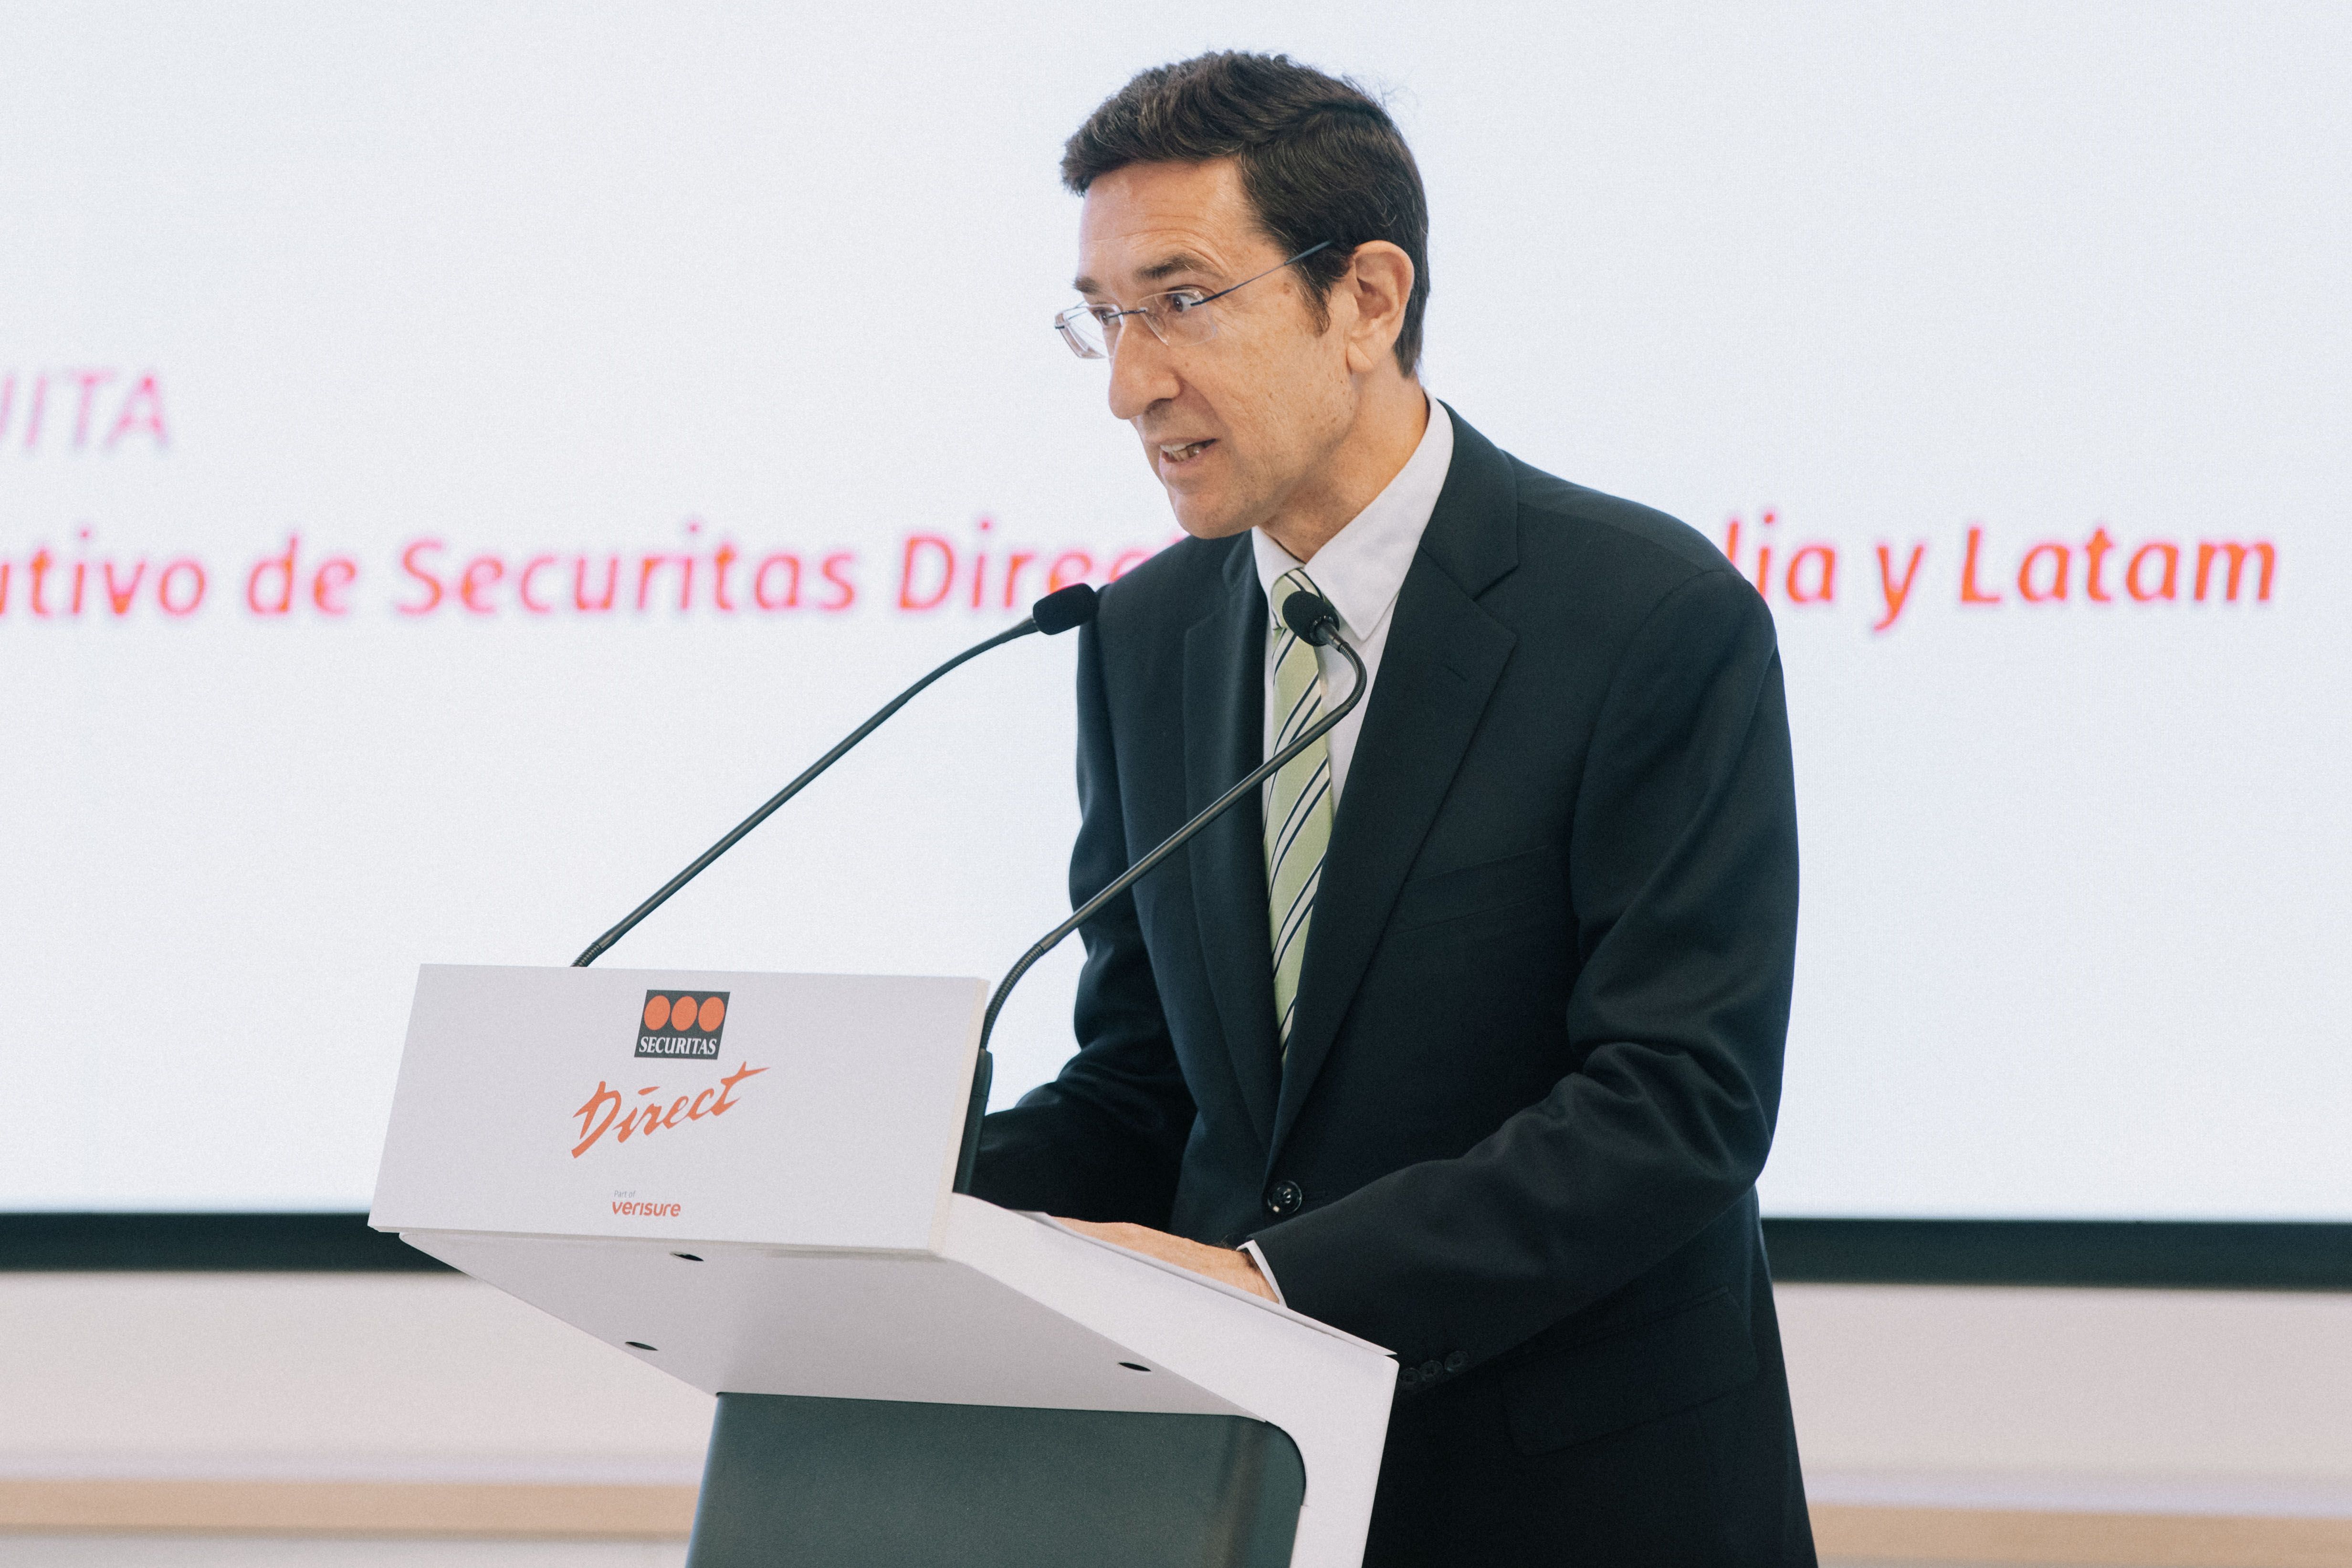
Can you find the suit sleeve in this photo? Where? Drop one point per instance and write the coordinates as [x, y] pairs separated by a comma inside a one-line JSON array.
[[1104, 1140], [1681, 871]]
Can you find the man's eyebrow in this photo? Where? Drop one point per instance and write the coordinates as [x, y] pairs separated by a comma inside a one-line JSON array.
[[1167, 266], [1182, 261]]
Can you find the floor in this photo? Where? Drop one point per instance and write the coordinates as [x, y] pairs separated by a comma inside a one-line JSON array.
[[247, 1552], [251, 1552]]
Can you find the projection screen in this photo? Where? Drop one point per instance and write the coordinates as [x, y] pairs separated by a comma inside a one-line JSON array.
[[456, 461]]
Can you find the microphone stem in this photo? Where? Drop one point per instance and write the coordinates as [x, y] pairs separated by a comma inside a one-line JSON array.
[[1127, 879], [597, 949]]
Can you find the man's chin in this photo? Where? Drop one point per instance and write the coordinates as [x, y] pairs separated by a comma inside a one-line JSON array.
[[1205, 519]]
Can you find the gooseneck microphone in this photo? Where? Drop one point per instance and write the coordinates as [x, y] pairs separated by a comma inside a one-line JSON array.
[[1311, 617], [1053, 615]]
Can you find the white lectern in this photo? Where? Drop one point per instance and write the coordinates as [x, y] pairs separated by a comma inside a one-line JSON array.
[[746, 1180]]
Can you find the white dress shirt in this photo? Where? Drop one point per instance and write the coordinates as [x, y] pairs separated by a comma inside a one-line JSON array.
[[1361, 571]]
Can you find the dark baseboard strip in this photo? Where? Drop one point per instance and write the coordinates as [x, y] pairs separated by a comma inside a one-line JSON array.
[[2120, 1254], [187, 1243], [2177, 1255]]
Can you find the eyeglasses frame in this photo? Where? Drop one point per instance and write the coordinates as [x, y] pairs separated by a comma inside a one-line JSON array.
[[1063, 323]]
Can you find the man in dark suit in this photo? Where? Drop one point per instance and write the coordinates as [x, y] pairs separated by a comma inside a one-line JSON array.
[[1469, 1040]]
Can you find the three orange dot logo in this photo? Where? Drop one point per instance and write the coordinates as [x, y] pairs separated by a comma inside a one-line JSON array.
[[682, 1023]]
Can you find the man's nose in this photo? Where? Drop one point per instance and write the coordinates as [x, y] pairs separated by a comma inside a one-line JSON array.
[[1140, 373]]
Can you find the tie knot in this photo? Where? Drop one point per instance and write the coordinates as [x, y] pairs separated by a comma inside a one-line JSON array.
[[1295, 581]]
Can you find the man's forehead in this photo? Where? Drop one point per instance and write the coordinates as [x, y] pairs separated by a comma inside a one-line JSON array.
[[1148, 223]]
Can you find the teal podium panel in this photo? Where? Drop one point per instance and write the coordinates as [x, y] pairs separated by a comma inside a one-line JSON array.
[[860, 1483]]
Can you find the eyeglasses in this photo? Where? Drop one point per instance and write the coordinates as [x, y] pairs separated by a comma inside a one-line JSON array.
[[1180, 316]]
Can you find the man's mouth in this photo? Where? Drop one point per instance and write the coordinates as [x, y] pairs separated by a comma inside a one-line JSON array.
[[1178, 452]]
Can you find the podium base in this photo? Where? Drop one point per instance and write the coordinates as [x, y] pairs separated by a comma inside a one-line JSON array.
[[858, 1483]]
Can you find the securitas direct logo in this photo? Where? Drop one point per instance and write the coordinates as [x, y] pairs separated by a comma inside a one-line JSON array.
[[682, 1024]]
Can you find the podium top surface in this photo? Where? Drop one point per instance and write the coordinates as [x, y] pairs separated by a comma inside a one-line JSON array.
[[801, 1110]]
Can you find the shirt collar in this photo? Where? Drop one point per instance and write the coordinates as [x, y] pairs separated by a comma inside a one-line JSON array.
[[1362, 567]]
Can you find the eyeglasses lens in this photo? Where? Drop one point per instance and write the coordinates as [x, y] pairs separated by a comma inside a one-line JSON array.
[[1084, 333], [1181, 316]]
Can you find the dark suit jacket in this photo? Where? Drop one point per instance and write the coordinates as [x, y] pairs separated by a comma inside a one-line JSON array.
[[1536, 1058]]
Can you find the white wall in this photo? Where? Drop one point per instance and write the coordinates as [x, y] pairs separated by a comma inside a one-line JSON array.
[[2159, 1401], [359, 1377], [2136, 1399]]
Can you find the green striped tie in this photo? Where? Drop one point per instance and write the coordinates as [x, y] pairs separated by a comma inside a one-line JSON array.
[[1298, 811]]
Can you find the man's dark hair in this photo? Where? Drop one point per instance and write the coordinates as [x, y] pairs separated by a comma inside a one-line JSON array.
[[1319, 159]]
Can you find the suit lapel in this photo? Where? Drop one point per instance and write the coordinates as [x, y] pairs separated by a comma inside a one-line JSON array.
[[1443, 657], [1225, 720]]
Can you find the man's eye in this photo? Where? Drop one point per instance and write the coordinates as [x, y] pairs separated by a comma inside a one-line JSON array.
[[1183, 300], [1103, 314]]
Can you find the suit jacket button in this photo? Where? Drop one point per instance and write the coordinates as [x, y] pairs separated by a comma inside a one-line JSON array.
[[1458, 1361], [1285, 1197], [1430, 1369], [1409, 1376]]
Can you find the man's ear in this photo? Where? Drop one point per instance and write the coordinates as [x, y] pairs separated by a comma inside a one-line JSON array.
[[1378, 283]]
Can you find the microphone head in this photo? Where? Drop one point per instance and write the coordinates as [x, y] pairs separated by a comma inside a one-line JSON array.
[[1310, 618], [1059, 611]]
